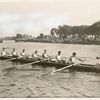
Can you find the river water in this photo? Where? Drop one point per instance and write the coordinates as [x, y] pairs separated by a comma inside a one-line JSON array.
[[30, 83]]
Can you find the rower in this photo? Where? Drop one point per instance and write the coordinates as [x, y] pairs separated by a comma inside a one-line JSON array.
[[23, 54], [3, 52], [14, 53], [35, 55], [73, 59], [45, 56], [59, 58]]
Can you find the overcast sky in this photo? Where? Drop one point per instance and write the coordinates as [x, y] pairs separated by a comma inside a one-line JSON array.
[[39, 16]]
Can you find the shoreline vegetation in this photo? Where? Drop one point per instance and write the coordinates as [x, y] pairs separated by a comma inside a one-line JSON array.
[[63, 34]]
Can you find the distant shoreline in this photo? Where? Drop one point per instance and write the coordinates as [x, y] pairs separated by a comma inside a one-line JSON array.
[[81, 43], [68, 42]]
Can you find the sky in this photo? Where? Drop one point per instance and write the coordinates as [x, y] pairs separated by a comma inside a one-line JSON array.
[[40, 16]]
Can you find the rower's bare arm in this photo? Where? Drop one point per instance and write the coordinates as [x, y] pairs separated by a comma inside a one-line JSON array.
[[79, 59], [57, 58]]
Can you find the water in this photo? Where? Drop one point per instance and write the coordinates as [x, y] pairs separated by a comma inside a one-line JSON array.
[[30, 83]]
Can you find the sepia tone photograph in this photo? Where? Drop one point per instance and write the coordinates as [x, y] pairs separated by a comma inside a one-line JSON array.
[[49, 49]]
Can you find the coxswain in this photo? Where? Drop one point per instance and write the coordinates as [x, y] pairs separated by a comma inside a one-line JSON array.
[[45, 56], [59, 57], [3, 52], [73, 59], [14, 53]]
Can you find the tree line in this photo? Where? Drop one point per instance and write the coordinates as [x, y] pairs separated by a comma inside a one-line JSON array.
[[82, 31]]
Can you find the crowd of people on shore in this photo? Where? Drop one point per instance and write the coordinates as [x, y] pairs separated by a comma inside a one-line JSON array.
[[44, 56]]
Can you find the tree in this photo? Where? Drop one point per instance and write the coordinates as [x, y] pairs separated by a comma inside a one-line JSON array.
[[41, 35], [53, 31], [83, 31], [18, 35]]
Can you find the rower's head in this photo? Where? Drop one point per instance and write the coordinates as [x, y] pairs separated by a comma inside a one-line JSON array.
[[59, 52], [23, 50], [74, 54], [13, 49], [45, 51], [3, 49], [36, 51]]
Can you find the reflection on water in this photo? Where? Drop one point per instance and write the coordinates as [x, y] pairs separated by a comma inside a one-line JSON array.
[[32, 83]]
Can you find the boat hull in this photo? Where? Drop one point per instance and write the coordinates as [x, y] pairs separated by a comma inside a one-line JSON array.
[[81, 67]]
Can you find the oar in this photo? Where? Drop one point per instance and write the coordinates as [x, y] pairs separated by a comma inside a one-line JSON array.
[[29, 64], [64, 68], [21, 65], [8, 59], [67, 67], [4, 61], [52, 72]]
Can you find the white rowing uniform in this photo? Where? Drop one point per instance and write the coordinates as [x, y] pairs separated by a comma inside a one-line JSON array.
[[3, 53], [23, 54], [44, 55], [14, 53], [35, 55], [58, 57], [72, 59]]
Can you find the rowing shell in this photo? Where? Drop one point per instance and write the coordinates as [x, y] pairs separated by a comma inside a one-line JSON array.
[[82, 66]]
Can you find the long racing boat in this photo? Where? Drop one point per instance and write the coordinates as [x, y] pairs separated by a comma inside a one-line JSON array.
[[80, 66]]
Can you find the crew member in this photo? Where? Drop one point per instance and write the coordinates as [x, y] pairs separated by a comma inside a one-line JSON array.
[[45, 56], [3, 52], [59, 57], [35, 55], [14, 53], [73, 59], [23, 54]]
